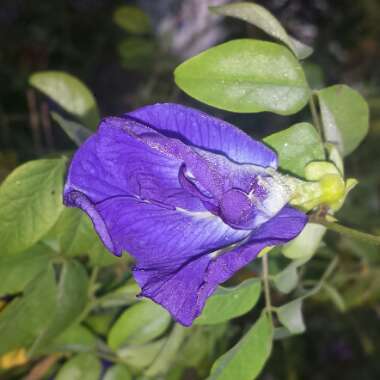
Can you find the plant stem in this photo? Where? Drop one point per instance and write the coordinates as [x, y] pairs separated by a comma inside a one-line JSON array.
[[347, 231], [315, 116], [265, 279]]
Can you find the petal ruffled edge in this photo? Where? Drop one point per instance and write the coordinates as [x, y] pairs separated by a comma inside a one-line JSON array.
[[77, 199]]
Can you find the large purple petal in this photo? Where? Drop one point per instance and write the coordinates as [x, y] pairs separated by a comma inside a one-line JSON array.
[[114, 163], [126, 157], [184, 289], [207, 132]]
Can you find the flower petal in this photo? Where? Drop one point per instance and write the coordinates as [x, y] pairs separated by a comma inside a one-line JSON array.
[[114, 163], [204, 131], [184, 290]]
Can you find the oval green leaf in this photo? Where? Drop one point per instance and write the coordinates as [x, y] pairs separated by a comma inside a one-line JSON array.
[[30, 203], [345, 117], [229, 303], [296, 147], [290, 315], [246, 76], [80, 367], [74, 232], [132, 19], [69, 92], [260, 17], [75, 131], [17, 270], [139, 324], [138, 357], [246, 359], [118, 372], [72, 289], [25, 317]]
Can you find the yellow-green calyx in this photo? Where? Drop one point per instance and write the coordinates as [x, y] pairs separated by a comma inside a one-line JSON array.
[[324, 185]]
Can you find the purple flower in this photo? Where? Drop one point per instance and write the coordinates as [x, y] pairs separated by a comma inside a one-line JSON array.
[[191, 197]]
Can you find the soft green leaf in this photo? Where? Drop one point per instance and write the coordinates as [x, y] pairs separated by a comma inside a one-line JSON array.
[[76, 338], [246, 359], [296, 147], [118, 372], [141, 356], [26, 317], [17, 271], [122, 296], [306, 243], [246, 76], [168, 353], [259, 16], [100, 323], [290, 315], [80, 367], [200, 343], [286, 280], [139, 324], [229, 303], [71, 300], [69, 92], [345, 117], [132, 19], [100, 257], [74, 232], [30, 203], [77, 132]]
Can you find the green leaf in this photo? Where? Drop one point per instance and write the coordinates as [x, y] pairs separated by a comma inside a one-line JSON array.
[[200, 342], [306, 243], [118, 372], [260, 17], [74, 232], [68, 92], [246, 359], [77, 132], [139, 324], [229, 303], [99, 256], [80, 367], [296, 147], [286, 280], [30, 203], [246, 76], [71, 300], [26, 317], [168, 353], [345, 117], [290, 315], [17, 271], [132, 19], [76, 338], [122, 296], [141, 356], [101, 323]]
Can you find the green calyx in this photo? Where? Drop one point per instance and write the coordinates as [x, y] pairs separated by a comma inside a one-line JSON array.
[[324, 185]]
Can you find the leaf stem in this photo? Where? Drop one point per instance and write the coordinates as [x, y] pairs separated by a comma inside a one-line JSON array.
[[265, 279], [315, 116], [347, 231]]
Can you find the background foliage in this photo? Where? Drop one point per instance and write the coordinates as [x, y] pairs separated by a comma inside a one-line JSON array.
[[68, 309]]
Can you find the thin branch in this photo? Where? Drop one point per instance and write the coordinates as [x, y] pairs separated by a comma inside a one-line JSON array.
[[42, 368], [265, 279]]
